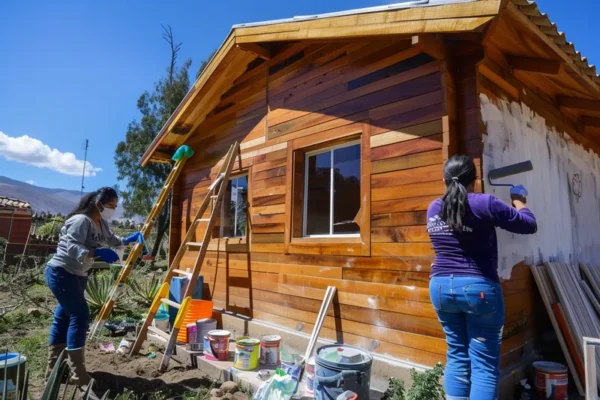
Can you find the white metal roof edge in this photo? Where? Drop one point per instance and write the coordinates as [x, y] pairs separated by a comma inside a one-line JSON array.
[[389, 7]]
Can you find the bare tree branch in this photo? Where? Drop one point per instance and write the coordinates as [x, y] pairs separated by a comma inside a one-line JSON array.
[[168, 37]]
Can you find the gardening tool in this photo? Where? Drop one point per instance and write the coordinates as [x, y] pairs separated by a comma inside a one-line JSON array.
[[510, 170]]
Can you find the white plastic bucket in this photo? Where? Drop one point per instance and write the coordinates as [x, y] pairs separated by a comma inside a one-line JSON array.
[[161, 321]]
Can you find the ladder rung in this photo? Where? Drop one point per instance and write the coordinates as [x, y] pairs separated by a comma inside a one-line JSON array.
[[202, 220], [171, 303], [182, 272], [194, 244]]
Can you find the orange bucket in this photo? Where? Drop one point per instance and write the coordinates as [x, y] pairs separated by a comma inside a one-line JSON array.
[[198, 309]]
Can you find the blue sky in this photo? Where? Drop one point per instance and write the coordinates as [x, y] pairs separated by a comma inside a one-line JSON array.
[[71, 70]]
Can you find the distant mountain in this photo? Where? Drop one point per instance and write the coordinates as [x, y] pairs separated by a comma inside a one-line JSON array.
[[53, 201]]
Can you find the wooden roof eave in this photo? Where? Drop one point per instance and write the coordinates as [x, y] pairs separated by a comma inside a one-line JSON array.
[[449, 18]]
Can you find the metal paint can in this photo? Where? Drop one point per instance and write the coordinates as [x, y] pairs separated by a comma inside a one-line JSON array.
[[551, 380], [192, 333], [246, 353], [219, 344], [269, 349]]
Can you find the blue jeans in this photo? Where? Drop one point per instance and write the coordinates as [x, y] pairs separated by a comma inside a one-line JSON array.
[[72, 315], [471, 311]]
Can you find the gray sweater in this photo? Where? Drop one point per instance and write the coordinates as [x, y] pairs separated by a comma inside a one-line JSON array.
[[77, 237]]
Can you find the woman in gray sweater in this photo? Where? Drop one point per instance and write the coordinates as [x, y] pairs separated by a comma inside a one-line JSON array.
[[85, 235]]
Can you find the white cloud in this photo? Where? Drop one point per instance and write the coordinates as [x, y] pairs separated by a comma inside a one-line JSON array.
[[32, 151], [31, 182]]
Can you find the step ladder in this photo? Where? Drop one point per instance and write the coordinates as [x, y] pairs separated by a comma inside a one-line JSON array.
[[119, 285], [214, 197]]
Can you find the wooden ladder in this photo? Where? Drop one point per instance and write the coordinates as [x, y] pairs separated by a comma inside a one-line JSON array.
[[215, 195], [119, 285]]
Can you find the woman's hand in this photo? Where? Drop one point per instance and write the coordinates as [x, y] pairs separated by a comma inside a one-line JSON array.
[[134, 237], [518, 195]]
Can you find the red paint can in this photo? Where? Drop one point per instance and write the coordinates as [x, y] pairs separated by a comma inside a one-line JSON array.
[[551, 380], [219, 344], [269, 349]]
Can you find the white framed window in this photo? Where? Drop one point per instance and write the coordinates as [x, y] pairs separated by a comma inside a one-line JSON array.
[[332, 191], [235, 205]]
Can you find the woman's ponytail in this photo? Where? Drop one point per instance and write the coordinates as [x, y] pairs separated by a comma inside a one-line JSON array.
[[459, 173]]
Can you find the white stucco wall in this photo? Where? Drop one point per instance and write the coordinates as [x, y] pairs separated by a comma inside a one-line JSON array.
[[563, 186]]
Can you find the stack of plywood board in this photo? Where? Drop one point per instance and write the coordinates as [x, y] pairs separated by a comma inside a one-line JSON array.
[[571, 295]]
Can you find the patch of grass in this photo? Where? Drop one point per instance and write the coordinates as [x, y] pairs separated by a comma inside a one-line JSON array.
[[35, 348]]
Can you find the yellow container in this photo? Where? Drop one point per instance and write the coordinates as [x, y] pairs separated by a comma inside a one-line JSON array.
[[246, 353]]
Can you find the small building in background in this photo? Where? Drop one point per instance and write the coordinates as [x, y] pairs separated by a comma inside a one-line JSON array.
[[15, 225]]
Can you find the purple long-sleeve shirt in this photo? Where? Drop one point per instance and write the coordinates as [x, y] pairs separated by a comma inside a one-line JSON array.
[[474, 251]]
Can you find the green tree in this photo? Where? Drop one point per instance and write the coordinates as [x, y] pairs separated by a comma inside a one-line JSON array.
[[144, 184], [204, 64]]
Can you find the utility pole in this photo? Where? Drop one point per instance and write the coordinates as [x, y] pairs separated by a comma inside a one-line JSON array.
[[84, 163]]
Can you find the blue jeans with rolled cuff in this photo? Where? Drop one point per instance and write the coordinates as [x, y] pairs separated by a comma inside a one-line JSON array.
[[471, 310], [72, 315]]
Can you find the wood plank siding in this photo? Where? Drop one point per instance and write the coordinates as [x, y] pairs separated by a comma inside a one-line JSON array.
[[395, 100]]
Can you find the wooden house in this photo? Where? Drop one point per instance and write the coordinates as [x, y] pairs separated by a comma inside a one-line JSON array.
[[345, 121], [15, 225]]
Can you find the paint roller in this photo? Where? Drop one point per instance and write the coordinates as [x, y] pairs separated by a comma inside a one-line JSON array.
[[510, 170]]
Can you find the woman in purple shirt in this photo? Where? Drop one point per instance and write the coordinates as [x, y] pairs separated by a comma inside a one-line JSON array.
[[464, 287]]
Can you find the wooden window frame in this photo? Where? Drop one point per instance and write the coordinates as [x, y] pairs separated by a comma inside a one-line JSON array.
[[294, 241], [222, 214]]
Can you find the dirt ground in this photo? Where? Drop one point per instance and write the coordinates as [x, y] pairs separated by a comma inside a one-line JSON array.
[[22, 332], [139, 374]]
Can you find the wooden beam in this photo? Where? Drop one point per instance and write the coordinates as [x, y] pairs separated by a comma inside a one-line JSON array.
[[431, 45], [255, 49], [161, 157], [592, 122], [571, 68], [535, 65], [579, 104]]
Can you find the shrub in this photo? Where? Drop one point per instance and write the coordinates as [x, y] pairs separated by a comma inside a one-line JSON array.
[[52, 228], [144, 290], [426, 385], [98, 291]]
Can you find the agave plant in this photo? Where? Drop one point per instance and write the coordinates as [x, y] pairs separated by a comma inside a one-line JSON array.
[[98, 292], [144, 290]]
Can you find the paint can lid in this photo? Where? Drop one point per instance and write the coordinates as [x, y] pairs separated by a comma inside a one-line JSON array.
[[206, 321], [549, 366], [247, 341], [219, 333], [270, 338]]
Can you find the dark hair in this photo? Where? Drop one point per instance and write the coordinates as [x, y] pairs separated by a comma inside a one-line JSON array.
[[459, 172], [88, 202]]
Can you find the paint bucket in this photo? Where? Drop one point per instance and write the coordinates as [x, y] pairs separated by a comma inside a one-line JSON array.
[[161, 321], [246, 353], [310, 375], [551, 380], [341, 368], [203, 326], [269, 349], [218, 341], [15, 370], [192, 336]]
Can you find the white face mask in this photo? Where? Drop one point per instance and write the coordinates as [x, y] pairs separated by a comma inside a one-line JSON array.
[[107, 213]]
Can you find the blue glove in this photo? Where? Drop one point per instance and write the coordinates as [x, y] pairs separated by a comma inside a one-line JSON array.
[[519, 191], [107, 255], [134, 237]]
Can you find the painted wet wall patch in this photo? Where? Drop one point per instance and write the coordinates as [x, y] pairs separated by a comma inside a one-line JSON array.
[[563, 186]]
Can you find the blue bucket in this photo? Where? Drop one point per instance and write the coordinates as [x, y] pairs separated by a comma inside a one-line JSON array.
[[14, 373], [340, 368]]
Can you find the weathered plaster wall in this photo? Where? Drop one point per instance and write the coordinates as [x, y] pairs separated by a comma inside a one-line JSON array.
[[563, 187]]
